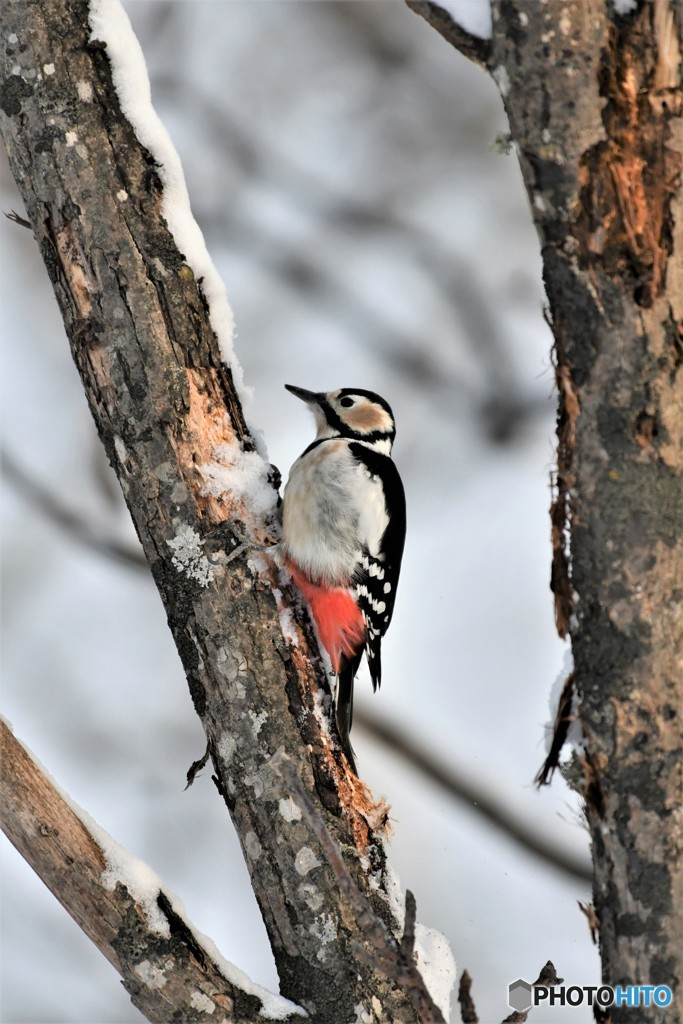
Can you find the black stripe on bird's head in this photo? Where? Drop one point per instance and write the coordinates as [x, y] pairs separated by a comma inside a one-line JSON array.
[[351, 412]]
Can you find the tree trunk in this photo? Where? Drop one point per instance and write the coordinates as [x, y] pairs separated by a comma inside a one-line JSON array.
[[595, 105], [171, 422]]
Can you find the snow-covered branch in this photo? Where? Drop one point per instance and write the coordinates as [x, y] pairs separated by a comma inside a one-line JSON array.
[[169, 969], [149, 329], [475, 48]]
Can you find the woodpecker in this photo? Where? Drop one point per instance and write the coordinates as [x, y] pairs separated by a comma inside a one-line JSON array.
[[343, 531]]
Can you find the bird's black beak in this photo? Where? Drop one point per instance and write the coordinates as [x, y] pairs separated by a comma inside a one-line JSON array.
[[309, 397]]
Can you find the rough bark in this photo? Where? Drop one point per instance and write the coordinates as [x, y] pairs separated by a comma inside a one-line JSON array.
[[595, 106], [163, 401], [166, 975]]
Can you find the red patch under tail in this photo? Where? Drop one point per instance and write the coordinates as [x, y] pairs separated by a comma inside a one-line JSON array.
[[337, 617]]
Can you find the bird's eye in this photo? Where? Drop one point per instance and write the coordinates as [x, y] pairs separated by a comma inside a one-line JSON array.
[[347, 402]]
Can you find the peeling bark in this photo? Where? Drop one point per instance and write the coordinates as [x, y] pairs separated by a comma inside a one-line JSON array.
[[601, 144], [595, 104], [164, 401]]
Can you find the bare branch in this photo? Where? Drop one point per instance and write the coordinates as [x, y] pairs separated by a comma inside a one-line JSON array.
[[547, 976], [473, 47], [165, 966], [563, 720], [16, 219], [468, 1012]]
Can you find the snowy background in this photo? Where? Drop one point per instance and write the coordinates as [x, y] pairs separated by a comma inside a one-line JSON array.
[[342, 162]]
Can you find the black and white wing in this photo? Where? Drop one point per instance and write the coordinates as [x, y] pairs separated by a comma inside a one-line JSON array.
[[377, 573]]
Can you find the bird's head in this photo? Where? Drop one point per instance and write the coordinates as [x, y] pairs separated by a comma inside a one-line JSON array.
[[351, 412]]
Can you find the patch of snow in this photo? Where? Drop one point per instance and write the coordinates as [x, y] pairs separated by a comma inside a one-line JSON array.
[[189, 558], [395, 896], [273, 1006], [436, 964], [473, 17], [144, 885], [575, 735], [502, 79], [242, 476], [122, 195], [110, 25], [319, 698], [259, 566], [287, 621], [433, 954]]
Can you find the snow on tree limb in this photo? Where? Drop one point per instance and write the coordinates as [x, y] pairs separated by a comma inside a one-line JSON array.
[[165, 403], [167, 966], [111, 26]]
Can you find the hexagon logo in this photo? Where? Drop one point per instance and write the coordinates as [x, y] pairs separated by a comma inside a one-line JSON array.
[[519, 995]]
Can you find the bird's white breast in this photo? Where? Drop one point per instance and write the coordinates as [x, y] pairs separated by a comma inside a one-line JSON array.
[[332, 509]]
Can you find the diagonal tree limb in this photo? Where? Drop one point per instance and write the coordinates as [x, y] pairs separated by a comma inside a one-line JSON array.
[[468, 1011], [169, 415], [165, 965], [475, 48]]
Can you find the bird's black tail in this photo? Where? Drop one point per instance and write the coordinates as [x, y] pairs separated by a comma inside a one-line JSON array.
[[344, 703]]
